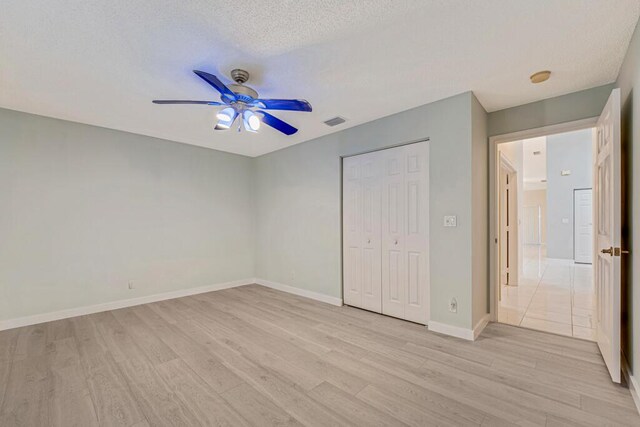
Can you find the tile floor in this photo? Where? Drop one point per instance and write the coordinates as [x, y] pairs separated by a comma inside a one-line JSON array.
[[553, 295]]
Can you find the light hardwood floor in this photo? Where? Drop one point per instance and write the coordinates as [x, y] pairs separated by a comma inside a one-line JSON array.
[[255, 356]]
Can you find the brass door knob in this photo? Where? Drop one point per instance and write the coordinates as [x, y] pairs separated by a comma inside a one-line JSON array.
[[607, 251]]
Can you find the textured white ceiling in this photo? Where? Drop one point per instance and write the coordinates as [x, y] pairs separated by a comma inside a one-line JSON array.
[[102, 62]]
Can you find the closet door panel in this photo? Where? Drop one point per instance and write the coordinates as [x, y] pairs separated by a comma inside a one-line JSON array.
[[416, 242], [352, 231], [370, 237], [393, 233]]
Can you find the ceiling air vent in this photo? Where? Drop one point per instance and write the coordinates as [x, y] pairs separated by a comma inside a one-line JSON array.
[[335, 121]]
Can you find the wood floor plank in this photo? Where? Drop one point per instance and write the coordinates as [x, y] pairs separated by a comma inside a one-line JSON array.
[[291, 397], [404, 410], [70, 402], [25, 402], [208, 407], [31, 342], [8, 341], [113, 400], [256, 356], [424, 396], [119, 343], [257, 408], [351, 407], [152, 346], [159, 404]]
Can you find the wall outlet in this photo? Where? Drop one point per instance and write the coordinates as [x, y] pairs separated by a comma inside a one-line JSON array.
[[130, 284], [453, 305], [450, 221]]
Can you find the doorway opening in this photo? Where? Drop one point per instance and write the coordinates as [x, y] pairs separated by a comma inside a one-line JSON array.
[[555, 272], [546, 233]]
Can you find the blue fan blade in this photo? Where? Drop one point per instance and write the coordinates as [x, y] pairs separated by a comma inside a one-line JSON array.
[[277, 124], [216, 83], [172, 101], [284, 104]]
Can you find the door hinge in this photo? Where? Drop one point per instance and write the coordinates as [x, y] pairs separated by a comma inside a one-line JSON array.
[[618, 251]]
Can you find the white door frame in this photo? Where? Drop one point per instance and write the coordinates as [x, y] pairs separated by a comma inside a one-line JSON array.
[[494, 263]]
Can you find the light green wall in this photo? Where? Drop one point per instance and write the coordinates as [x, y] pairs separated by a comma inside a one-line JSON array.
[[629, 84], [83, 210], [480, 210], [561, 109], [571, 151], [298, 202]]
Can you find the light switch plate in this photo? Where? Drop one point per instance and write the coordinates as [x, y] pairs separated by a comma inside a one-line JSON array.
[[450, 221]]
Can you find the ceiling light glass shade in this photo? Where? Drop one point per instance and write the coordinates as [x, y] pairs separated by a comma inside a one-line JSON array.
[[226, 114], [251, 121], [226, 118]]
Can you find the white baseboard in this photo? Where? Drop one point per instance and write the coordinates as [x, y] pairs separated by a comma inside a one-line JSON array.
[[300, 292], [457, 331], [454, 331], [477, 330], [634, 386], [114, 305]]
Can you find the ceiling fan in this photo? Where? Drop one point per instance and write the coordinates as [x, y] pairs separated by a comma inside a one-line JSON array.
[[242, 101]]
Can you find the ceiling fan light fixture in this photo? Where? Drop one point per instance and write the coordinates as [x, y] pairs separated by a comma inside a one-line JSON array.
[[240, 99], [251, 121], [226, 114], [226, 117]]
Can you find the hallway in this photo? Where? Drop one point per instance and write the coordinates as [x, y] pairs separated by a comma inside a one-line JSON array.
[[553, 295]]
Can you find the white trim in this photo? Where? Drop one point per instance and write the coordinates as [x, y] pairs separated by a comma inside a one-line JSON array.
[[494, 268], [114, 305], [634, 386], [545, 130], [454, 331], [457, 331], [482, 323], [300, 292]]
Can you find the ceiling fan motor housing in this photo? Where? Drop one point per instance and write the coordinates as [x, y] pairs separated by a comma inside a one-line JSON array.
[[243, 93]]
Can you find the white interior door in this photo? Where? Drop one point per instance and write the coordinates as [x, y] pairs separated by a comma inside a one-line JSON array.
[[351, 231], [583, 226], [416, 244], [607, 216], [394, 263], [532, 225], [385, 232], [361, 229], [370, 236]]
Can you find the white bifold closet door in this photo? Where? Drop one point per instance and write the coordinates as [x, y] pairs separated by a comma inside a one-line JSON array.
[[361, 231], [385, 223]]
